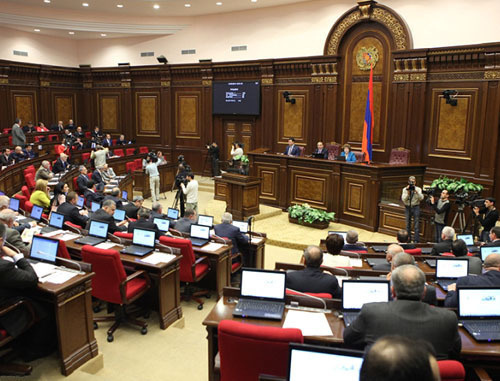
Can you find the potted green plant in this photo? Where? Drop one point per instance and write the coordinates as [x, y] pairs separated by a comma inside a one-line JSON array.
[[455, 186], [307, 216]]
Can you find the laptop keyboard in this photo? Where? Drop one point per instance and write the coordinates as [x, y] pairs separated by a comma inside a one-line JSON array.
[[260, 306], [198, 241], [482, 326], [349, 317]]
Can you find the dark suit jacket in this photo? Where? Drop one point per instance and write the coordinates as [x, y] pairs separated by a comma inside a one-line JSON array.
[[295, 150], [59, 166], [407, 246], [144, 224], [72, 214], [412, 319], [490, 218], [96, 176], [324, 152], [14, 238], [5, 161], [490, 278], [118, 201], [183, 225], [239, 240], [92, 197], [82, 181], [493, 243], [101, 215], [110, 142], [313, 280], [442, 247], [130, 210]]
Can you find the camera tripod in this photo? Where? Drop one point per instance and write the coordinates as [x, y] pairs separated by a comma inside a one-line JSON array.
[[462, 222]]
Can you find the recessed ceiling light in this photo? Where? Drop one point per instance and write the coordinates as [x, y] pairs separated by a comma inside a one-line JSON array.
[[36, 30], [71, 32], [218, 3], [187, 5], [156, 6], [103, 34], [254, 1], [46, 1], [85, 4], [119, 5]]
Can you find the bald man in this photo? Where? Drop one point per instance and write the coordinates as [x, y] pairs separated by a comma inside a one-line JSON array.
[[491, 277], [390, 253]]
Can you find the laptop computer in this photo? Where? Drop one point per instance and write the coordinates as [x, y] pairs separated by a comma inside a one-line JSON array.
[[125, 195], [35, 215], [379, 248], [431, 263], [321, 363], [80, 202], [14, 204], [469, 241], [94, 206], [487, 250], [43, 255], [143, 242], [448, 270], [479, 312], [262, 294], [340, 158], [318, 155], [343, 234], [242, 225], [56, 222], [355, 293], [119, 215], [205, 220], [199, 234], [162, 223], [173, 214], [376, 261], [98, 233]]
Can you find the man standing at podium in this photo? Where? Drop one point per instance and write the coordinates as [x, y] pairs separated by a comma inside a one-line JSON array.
[[412, 196]]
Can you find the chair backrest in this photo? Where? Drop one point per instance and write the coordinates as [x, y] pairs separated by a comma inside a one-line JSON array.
[[188, 258], [88, 135], [360, 156], [26, 192], [28, 206], [119, 152], [333, 150], [86, 157], [30, 180], [109, 273], [447, 254], [323, 295], [143, 149], [248, 350], [30, 169], [10, 141], [138, 164], [417, 251], [130, 151], [130, 166], [301, 150], [451, 370], [62, 250], [129, 236], [53, 138], [399, 155], [22, 200], [75, 184]]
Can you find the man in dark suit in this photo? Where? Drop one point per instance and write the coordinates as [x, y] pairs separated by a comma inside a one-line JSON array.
[[444, 246], [71, 125], [228, 230], [29, 128], [79, 133], [391, 252], [487, 216], [320, 152], [59, 127], [132, 208], [157, 212], [107, 141], [291, 149], [61, 164], [312, 279], [82, 180], [144, 223], [97, 177], [494, 237], [491, 277], [406, 316], [12, 235], [403, 238], [71, 211], [105, 214], [5, 158], [352, 243], [460, 250], [184, 224], [18, 155], [91, 194], [114, 195]]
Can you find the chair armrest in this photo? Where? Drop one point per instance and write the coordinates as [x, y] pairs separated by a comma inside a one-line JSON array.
[[123, 284], [174, 232], [218, 239], [197, 262], [482, 375]]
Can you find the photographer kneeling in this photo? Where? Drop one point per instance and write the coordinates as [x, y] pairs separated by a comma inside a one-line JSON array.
[[191, 192]]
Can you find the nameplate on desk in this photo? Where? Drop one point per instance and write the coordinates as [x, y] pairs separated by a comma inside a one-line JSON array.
[[106, 245], [212, 246], [58, 277], [310, 323], [356, 262]]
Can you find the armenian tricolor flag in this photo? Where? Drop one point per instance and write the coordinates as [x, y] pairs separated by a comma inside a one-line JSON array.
[[366, 144]]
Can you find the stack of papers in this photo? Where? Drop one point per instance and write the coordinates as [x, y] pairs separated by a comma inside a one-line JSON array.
[[310, 323], [58, 277], [158, 257], [106, 245], [356, 262], [256, 240], [212, 246], [43, 269]]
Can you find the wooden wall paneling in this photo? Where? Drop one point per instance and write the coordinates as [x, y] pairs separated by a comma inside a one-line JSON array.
[[330, 110], [247, 129], [415, 124], [487, 165], [5, 111], [64, 106], [25, 105], [293, 119], [310, 187], [317, 126], [230, 137], [493, 119], [147, 114], [188, 115], [399, 116], [265, 135], [109, 112]]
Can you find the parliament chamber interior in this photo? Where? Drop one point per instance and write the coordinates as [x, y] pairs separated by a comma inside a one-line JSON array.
[[249, 190]]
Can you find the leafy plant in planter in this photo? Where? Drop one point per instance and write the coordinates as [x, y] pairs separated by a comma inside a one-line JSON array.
[[304, 213], [455, 186]]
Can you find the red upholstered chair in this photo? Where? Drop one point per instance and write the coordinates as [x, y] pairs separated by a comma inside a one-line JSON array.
[[88, 135], [129, 236], [130, 166], [111, 284], [10, 141], [113, 141], [26, 192], [417, 251], [30, 181], [130, 151], [75, 184], [72, 227], [53, 138], [451, 370], [7, 130], [30, 169], [85, 157], [360, 156], [333, 150], [399, 155], [324, 295], [28, 206], [192, 270], [22, 200], [138, 164], [89, 175], [143, 149], [248, 350], [119, 152], [62, 250], [301, 151], [447, 255]]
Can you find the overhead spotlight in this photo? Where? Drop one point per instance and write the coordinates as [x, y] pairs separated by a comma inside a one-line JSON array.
[[85, 4], [187, 5], [451, 97], [46, 1], [162, 59], [119, 5], [103, 34], [218, 3], [71, 33], [36, 30], [286, 95], [156, 6]]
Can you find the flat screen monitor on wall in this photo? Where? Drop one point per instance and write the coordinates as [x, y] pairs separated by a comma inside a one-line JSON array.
[[236, 98]]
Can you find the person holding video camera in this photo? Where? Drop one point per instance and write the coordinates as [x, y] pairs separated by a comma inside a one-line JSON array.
[[154, 175], [441, 209], [191, 192], [412, 196], [213, 151], [487, 217]]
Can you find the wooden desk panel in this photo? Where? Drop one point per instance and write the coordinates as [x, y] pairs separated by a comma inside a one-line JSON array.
[[167, 178]]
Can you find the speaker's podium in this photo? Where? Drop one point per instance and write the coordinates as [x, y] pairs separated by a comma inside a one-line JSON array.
[[241, 194]]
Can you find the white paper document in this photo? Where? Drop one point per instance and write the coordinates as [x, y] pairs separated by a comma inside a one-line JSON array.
[[66, 236], [212, 246], [356, 262], [54, 233], [106, 245], [310, 323], [157, 257], [43, 269], [256, 240], [58, 277]]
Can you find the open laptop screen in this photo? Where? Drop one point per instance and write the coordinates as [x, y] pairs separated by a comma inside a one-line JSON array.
[[80, 202], [316, 363], [479, 302], [162, 223], [14, 204], [467, 238], [95, 206], [451, 268], [205, 220], [173, 213], [125, 195], [343, 234], [36, 212], [242, 225], [200, 231], [144, 237], [119, 215], [355, 293], [98, 229], [56, 220], [44, 249], [263, 284], [487, 250]]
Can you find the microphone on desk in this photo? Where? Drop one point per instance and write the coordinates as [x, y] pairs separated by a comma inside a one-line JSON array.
[[162, 246], [225, 242], [312, 297], [249, 222]]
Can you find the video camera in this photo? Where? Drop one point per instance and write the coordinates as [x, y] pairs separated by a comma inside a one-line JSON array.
[[151, 156]]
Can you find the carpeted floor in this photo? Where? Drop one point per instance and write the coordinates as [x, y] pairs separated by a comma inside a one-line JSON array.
[[180, 352]]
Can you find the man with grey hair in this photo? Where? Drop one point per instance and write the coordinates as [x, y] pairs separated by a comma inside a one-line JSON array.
[[61, 164], [157, 212], [312, 279], [18, 137], [131, 208], [115, 196], [13, 237], [391, 251], [44, 171], [412, 196], [184, 224], [107, 173], [352, 243], [239, 240], [445, 246], [105, 214], [406, 316], [82, 180]]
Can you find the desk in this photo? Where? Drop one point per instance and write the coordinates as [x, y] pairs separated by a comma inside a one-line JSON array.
[[220, 261], [473, 353], [257, 250], [73, 311], [167, 177]]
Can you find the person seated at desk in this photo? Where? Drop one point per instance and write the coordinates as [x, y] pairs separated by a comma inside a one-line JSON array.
[[6, 159], [391, 252], [29, 128], [143, 222], [460, 250], [131, 208], [82, 179], [312, 278], [17, 280], [291, 149], [444, 246], [40, 195], [12, 236], [157, 212], [406, 316], [226, 229], [105, 214], [97, 134], [491, 277], [79, 133], [396, 358], [68, 138], [115, 196], [29, 153], [334, 245], [121, 141], [71, 125], [494, 237], [98, 179], [352, 243], [349, 155], [71, 211], [107, 174], [61, 164], [91, 195], [59, 127], [44, 171], [18, 155], [320, 152], [403, 238], [183, 225], [107, 141], [41, 128], [78, 145], [59, 197], [4, 204]]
